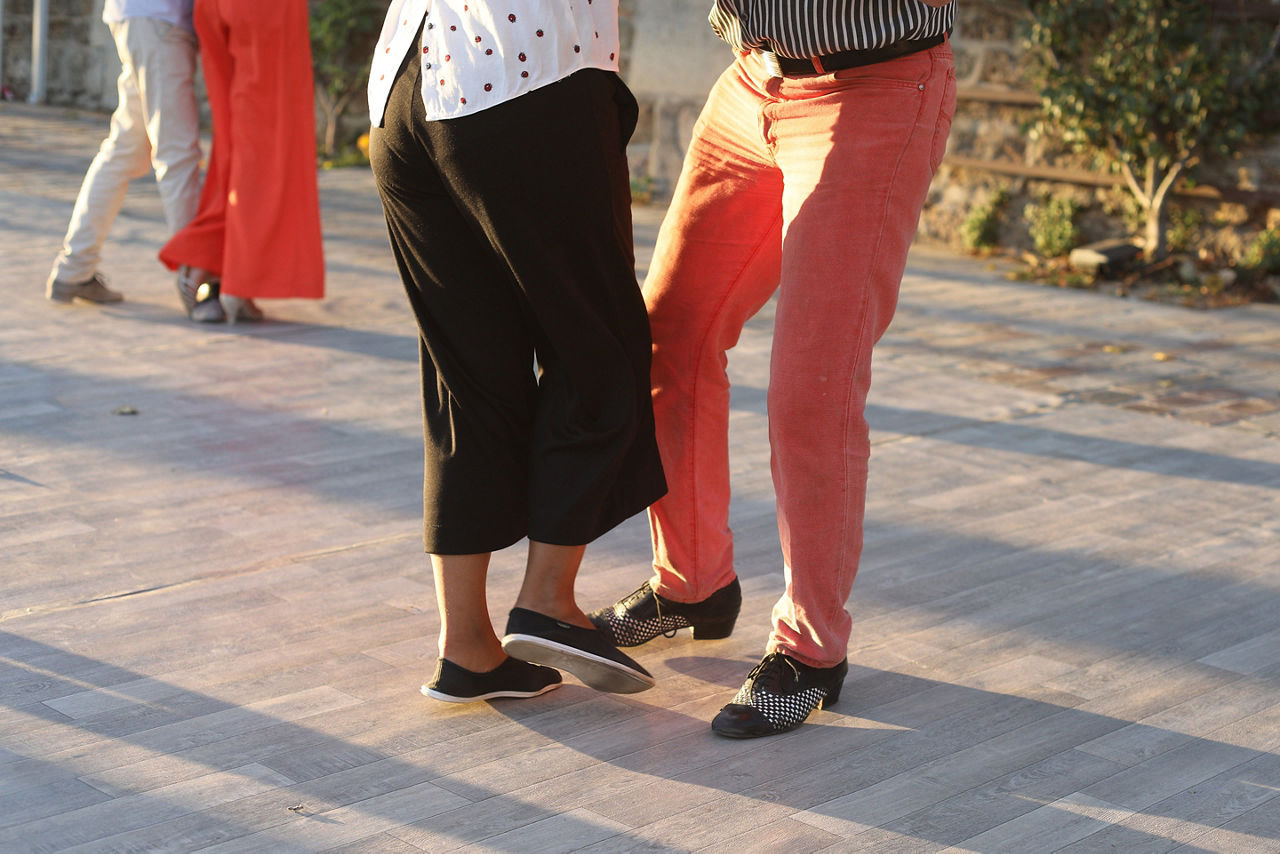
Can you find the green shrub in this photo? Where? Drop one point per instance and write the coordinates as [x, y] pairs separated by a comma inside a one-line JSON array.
[[1184, 225], [1052, 225], [1263, 255], [1154, 87], [343, 34], [981, 228]]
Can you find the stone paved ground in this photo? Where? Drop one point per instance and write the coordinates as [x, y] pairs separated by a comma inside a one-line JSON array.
[[214, 613]]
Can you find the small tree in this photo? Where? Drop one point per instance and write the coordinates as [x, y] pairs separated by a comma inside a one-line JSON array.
[[1052, 225], [343, 35], [1152, 87]]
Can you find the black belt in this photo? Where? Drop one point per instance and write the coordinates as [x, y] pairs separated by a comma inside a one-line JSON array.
[[786, 66]]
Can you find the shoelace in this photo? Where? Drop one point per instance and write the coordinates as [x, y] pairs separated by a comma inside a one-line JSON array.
[[768, 663], [638, 596]]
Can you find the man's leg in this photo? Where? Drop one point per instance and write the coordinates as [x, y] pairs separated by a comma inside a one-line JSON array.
[[714, 266], [858, 150], [124, 155], [164, 57]]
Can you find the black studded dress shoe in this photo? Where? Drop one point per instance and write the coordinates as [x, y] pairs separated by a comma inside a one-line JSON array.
[[511, 678], [644, 615], [585, 653], [780, 692]]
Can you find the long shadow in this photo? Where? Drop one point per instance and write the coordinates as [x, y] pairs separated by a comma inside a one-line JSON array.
[[1027, 438], [284, 765], [962, 270], [950, 761], [396, 347], [920, 758], [225, 437], [935, 749]]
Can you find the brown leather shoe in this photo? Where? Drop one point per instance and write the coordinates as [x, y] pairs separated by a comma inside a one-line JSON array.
[[92, 290]]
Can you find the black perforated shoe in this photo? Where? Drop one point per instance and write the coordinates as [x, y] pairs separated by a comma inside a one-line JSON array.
[[585, 653], [778, 695], [511, 678], [644, 615]]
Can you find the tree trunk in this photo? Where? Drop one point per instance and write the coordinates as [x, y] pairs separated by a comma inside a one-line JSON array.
[[1155, 247], [330, 132], [334, 110]]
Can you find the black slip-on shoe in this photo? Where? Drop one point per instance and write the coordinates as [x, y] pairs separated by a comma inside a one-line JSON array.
[[780, 692], [585, 653], [511, 678], [643, 615]]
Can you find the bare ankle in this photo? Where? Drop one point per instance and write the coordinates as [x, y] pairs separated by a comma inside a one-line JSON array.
[[565, 612], [476, 656]]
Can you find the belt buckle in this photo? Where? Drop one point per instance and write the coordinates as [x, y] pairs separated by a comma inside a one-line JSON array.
[[771, 64]]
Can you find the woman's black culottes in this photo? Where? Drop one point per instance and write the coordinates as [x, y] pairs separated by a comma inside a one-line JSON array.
[[511, 229]]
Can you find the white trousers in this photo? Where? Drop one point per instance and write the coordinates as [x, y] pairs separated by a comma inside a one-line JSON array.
[[155, 126]]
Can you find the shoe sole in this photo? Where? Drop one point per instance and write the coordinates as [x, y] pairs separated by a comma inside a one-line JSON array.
[[492, 695], [68, 299], [205, 312], [592, 670]]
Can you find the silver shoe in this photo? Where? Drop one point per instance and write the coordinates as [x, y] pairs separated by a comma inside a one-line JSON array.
[[208, 309], [189, 279], [242, 310]]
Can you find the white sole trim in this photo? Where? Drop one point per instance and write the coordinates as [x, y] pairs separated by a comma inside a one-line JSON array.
[[492, 695]]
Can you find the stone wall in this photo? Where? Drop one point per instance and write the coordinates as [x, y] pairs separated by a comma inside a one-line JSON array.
[[676, 58], [82, 61], [671, 59]]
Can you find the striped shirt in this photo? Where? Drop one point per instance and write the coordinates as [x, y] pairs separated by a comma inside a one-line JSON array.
[[804, 28]]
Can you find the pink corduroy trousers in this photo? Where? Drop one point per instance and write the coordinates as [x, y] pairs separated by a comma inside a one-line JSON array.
[[811, 187]]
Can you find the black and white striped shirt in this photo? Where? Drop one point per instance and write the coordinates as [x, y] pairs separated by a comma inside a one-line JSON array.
[[804, 28]]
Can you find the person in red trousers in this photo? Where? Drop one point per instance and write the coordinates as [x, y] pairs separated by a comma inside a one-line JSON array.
[[257, 231], [806, 175]]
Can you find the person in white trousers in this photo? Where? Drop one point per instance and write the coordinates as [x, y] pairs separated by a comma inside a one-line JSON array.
[[154, 127]]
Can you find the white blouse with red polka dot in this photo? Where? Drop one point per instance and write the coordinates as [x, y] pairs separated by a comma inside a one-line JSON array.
[[478, 54]]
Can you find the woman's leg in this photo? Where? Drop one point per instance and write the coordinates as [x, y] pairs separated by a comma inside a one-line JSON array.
[[466, 631], [553, 205], [549, 577]]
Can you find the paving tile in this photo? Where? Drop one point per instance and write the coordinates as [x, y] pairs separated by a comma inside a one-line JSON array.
[[215, 614]]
